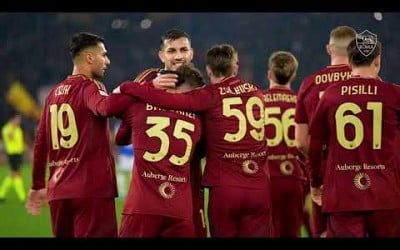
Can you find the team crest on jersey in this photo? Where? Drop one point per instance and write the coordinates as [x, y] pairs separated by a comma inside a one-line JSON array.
[[366, 42]]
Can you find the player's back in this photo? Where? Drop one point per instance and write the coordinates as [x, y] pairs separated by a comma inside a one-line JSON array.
[[164, 144], [235, 139], [79, 153], [280, 104], [314, 85], [362, 121]]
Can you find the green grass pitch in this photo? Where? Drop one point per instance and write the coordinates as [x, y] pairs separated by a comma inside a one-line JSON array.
[[16, 222]]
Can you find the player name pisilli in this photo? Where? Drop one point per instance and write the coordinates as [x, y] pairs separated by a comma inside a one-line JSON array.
[[358, 167], [162, 177], [359, 90]]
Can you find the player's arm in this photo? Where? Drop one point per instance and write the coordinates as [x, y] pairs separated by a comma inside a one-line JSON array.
[[196, 100], [40, 154], [123, 136], [37, 195], [102, 104], [317, 139], [315, 155], [302, 138]]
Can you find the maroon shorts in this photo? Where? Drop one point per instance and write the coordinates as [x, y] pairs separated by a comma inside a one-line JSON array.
[[377, 223], [287, 206], [89, 217], [239, 212], [147, 225], [318, 221]]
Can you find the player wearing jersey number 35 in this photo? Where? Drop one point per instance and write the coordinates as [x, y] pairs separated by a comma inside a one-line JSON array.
[[236, 168]]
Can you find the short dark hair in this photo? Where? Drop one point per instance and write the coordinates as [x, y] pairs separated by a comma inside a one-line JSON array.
[[173, 34], [357, 58], [221, 59], [83, 40], [191, 75]]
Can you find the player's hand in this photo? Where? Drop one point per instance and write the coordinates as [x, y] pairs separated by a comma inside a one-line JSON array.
[[117, 90], [36, 200], [165, 81], [316, 195]]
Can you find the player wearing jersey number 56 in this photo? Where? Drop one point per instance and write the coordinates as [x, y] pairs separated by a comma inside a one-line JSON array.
[[358, 119], [73, 140], [287, 175], [236, 169]]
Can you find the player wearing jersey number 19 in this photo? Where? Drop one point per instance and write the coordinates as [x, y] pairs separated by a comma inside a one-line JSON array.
[[73, 140]]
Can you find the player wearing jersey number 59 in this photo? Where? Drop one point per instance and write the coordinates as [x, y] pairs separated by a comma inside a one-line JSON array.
[[358, 119], [236, 169], [73, 140], [287, 175]]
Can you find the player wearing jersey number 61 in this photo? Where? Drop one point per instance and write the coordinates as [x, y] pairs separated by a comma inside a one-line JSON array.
[[358, 120]]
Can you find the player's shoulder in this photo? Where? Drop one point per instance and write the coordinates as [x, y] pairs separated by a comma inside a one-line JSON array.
[[307, 83], [147, 74], [83, 80], [390, 87]]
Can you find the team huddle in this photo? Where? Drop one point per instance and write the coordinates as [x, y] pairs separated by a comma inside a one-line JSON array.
[[265, 150]]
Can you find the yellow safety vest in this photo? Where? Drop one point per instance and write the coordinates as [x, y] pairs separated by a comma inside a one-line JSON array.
[[13, 139]]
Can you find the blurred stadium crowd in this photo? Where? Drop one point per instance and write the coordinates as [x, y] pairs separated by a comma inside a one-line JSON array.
[[34, 49]]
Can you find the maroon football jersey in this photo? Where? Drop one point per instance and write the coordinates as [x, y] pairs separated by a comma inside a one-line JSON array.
[[234, 121], [164, 142], [358, 118], [280, 105], [73, 141], [146, 75], [312, 88]]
